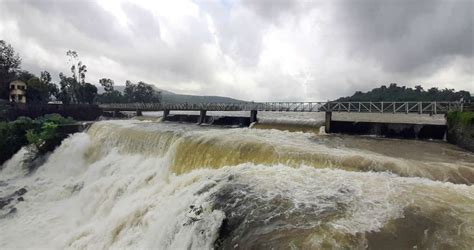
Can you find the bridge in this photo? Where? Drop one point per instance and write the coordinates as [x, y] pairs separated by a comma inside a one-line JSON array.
[[360, 107], [328, 107]]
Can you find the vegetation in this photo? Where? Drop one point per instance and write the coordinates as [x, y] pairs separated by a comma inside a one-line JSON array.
[[72, 89], [40, 90], [461, 129], [25, 131], [110, 95], [394, 93], [140, 92], [46, 128], [13, 137], [462, 118], [9, 64]]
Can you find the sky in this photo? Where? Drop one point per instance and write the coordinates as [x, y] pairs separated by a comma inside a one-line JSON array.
[[270, 50]]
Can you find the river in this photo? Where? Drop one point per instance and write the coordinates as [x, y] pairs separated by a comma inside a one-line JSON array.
[[160, 185]]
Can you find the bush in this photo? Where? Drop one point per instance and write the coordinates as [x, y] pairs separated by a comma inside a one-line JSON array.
[[12, 136], [461, 118], [38, 136], [56, 119], [461, 129], [24, 131]]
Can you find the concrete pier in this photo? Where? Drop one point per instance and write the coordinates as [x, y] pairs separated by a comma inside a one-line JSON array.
[[139, 113], [253, 116], [327, 124], [166, 113], [202, 116]]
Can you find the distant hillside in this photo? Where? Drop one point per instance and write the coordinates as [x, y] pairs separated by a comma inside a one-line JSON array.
[[192, 99], [170, 97], [394, 93]]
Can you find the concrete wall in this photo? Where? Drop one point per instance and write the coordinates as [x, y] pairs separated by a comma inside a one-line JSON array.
[[390, 130], [80, 112]]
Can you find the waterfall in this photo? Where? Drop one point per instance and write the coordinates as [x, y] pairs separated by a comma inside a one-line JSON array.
[[141, 184]]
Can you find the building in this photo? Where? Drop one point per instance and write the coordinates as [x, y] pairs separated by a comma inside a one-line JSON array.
[[18, 91]]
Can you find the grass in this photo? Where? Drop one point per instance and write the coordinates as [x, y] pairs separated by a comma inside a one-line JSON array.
[[461, 118]]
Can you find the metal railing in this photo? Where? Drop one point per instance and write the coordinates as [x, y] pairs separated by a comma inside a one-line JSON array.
[[356, 107]]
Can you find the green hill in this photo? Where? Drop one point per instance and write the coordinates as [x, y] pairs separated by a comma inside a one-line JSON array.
[[394, 93], [170, 97]]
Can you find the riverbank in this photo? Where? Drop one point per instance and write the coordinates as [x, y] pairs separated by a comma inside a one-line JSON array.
[[41, 135], [461, 129]]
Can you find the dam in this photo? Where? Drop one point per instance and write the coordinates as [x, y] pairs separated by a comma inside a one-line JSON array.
[[146, 183], [395, 129]]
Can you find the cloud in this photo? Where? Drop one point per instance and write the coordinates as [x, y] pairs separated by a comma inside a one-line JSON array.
[[254, 50], [408, 36]]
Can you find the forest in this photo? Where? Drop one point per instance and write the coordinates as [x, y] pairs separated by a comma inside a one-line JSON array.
[[394, 93]]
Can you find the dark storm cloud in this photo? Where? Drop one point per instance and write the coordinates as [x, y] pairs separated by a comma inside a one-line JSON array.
[[408, 36], [88, 28], [257, 50]]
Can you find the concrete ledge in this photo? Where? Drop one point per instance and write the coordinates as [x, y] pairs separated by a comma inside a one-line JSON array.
[[73, 128], [390, 130]]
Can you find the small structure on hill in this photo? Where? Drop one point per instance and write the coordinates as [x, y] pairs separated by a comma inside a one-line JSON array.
[[18, 91]]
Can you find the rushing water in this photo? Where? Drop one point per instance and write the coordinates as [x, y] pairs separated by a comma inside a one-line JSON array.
[[143, 184]]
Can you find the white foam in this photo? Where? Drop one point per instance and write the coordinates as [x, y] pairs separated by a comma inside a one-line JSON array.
[[13, 168], [115, 199]]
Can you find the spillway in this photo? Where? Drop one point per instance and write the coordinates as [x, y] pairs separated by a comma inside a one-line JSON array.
[[143, 184]]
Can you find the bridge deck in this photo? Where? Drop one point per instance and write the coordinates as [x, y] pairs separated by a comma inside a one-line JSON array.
[[358, 107]]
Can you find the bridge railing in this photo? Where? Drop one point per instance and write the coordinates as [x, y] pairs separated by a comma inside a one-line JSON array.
[[357, 107], [394, 107]]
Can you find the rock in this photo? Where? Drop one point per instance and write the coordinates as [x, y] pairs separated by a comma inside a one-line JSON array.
[[195, 214], [5, 201], [21, 191], [17, 195]]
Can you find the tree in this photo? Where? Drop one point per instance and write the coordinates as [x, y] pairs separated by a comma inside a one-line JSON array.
[[110, 95], [418, 88], [53, 90], [45, 77], [37, 91], [67, 94], [75, 89], [141, 92], [9, 64], [144, 92], [108, 84], [397, 93], [87, 93], [24, 76], [78, 69], [129, 91]]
